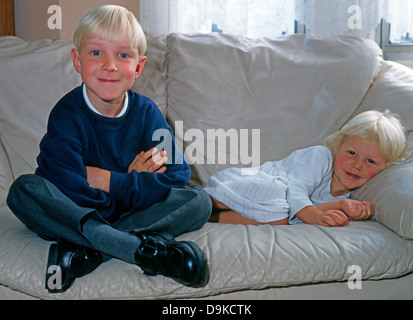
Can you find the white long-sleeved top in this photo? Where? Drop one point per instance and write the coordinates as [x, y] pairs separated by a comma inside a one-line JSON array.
[[278, 189]]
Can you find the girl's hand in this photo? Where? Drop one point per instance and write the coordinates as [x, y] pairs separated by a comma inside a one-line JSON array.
[[332, 218], [357, 210]]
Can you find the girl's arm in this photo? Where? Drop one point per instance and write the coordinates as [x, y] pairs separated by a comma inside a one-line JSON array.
[[336, 213], [328, 218], [354, 209]]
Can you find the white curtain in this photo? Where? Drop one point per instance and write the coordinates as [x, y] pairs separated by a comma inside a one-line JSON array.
[[328, 18], [250, 18], [400, 15], [270, 18], [349, 17]]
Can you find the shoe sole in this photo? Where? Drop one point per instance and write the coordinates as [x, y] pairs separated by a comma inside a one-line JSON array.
[[202, 275], [52, 261]]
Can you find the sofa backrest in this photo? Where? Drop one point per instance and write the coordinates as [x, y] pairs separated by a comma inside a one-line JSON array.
[[34, 75], [270, 95]]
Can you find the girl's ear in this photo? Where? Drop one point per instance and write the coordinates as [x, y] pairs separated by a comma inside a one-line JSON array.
[[76, 60], [139, 67]]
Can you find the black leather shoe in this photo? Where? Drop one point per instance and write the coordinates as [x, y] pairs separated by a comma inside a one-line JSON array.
[[68, 261], [182, 261]]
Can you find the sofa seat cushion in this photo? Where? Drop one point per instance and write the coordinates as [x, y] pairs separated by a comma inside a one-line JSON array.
[[239, 257]]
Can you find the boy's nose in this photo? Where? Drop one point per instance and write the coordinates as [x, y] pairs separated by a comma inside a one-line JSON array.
[[109, 66]]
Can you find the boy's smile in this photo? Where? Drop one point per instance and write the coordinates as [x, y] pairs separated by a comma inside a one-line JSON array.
[[357, 161], [108, 70]]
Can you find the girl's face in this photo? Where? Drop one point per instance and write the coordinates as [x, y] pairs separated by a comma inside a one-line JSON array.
[[357, 161]]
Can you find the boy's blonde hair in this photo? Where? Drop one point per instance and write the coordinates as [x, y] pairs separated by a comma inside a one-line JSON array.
[[383, 128], [112, 23]]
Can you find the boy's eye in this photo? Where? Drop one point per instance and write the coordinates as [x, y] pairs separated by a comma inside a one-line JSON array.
[[123, 55], [352, 153], [95, 53], [370, 161]]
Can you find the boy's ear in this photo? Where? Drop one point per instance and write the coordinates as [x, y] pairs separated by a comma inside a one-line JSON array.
[[76, 60], [140, 66]]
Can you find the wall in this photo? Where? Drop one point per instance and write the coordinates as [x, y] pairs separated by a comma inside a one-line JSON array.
[[31, 17], [6, 18]]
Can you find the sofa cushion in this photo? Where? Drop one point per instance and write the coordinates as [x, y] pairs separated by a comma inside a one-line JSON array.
[[239, 258], [41, 72], [6, 177], [392, 90], [294, 89], [391, 192], [152, 81]]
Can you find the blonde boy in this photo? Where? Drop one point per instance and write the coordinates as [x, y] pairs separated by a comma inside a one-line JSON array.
[[101, 188]]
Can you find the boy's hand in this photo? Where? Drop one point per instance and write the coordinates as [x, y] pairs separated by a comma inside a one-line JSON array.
[[98, 178], [149, 161], [357, 210]]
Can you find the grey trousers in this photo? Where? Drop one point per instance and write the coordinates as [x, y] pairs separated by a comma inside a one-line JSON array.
[[53, 216]]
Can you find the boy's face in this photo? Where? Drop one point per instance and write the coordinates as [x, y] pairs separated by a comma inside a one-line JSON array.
[[357, 161], [108, 70]]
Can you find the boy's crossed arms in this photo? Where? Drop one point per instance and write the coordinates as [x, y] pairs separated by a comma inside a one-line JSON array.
[[150, 161]]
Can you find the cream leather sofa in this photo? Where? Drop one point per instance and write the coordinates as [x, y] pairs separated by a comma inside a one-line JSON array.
[[269, 97]]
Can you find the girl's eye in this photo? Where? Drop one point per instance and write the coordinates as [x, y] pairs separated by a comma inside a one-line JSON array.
[[352, 153], [123, 55], [95, 53], [370, 161]]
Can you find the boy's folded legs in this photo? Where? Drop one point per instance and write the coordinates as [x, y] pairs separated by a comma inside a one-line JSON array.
[[44, 209]]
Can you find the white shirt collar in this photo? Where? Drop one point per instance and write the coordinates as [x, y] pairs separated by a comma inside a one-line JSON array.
[[91, 107]]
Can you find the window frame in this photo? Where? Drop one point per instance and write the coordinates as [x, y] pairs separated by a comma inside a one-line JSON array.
[[399, 52]]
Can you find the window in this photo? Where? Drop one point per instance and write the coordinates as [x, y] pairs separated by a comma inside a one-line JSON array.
[[401, 22], [396, 32], [271, 18]]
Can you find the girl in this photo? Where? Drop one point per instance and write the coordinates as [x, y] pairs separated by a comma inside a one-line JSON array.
[[312, 185]]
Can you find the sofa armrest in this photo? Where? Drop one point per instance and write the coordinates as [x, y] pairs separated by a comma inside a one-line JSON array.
[[391, 194], [6, 177]]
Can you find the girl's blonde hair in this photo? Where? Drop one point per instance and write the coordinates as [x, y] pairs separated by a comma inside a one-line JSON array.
[[112, 23], [383, 128]]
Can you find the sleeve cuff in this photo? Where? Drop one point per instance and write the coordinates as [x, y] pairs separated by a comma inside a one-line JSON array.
[[119, 182]]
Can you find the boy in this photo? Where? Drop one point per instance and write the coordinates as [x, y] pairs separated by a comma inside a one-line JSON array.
[[101, 188]]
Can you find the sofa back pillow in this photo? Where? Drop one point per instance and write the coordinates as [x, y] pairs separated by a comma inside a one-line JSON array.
[[35, 75], [241, 102], [391, 192], [393, 90]]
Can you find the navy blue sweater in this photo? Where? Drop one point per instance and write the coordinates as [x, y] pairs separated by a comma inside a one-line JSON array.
[[78, 137]]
